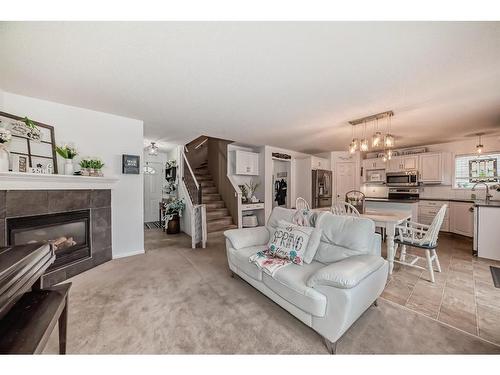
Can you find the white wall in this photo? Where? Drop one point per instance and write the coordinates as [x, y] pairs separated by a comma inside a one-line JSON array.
[[491, 144], [108, 137]]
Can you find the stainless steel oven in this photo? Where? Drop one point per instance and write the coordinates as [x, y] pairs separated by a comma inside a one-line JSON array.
[[409, 178]]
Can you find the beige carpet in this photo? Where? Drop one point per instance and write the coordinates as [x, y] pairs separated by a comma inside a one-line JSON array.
[[177, 300]]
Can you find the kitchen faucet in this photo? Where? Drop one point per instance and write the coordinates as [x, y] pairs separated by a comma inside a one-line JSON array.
[[488, 195]]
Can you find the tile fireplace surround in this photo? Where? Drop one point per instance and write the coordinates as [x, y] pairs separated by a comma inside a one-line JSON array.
[[20, 203]]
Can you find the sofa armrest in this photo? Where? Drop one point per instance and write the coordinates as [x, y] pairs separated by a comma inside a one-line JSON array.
[[246, 237], [347, 273], [377, 244]]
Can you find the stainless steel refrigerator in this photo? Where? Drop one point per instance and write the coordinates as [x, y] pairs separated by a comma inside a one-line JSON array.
[[321, 188]]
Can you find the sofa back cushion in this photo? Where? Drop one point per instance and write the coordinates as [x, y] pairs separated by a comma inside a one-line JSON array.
[[288, 215], [343, 237]]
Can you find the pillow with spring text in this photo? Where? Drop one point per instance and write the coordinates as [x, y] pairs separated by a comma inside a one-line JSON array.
[[289, 241]]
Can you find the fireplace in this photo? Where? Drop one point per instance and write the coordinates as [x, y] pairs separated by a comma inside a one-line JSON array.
[[68, 233]]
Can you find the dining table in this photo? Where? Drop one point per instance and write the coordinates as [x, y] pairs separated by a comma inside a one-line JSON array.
[[388, 220]]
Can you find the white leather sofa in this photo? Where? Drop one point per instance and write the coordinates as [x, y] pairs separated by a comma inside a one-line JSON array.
[[345, 278]]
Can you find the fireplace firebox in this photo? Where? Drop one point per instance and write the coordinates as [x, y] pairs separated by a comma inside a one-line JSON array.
[[68, 233]]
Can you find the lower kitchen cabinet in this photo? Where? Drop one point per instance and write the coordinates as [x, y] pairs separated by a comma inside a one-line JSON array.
[[462, 218]]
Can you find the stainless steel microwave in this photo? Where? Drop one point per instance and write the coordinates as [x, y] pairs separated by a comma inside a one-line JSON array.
[[409, 178]]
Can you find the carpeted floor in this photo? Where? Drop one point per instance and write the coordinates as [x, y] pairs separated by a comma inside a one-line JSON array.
[[177, 300]]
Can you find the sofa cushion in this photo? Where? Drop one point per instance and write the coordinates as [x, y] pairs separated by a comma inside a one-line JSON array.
[[290, 284], [347, 273], [343, 237], [240, 259]]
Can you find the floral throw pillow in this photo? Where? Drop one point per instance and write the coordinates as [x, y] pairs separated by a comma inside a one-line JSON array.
[[289, 241]]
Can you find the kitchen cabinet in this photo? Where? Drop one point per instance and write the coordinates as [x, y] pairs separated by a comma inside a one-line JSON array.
[[247, 163], [402, 163], [427, 210], [370, 164], [462, 218], [435, 168]]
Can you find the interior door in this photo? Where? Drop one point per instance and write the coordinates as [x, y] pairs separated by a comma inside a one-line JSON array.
[[153, 183], [345, 178]]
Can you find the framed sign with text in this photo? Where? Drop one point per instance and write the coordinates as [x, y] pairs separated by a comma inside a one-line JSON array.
[[131, 164]]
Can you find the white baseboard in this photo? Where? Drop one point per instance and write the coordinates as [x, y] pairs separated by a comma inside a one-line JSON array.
[[118, 256]]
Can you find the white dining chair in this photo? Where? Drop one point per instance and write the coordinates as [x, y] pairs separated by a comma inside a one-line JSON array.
[[420, 236], [344, 208], [301, 204]]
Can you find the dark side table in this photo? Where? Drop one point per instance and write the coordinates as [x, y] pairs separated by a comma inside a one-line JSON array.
[[27, 326]]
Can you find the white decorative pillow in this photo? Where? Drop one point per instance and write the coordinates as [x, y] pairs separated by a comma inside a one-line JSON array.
[[289, 241]]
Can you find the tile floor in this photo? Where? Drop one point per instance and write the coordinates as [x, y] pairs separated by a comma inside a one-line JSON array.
[[463, 295]]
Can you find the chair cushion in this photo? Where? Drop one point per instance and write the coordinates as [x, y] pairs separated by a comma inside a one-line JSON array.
[[343, 237], [240, 259], [290, 284], [346, 273]]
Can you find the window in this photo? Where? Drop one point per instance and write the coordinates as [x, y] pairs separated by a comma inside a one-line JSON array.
[[462, 172]]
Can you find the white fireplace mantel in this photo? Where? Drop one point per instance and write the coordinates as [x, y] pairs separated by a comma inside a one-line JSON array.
[[36, 181]]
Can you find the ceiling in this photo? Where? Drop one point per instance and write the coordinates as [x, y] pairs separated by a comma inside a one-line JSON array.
[[289, 84]]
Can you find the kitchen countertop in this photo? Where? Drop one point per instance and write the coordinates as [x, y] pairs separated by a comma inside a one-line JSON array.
[[483, 203]]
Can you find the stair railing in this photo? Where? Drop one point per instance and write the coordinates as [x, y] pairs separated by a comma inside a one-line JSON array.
[[197, 210]]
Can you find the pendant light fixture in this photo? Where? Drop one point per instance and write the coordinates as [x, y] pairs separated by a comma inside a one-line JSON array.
[[389, 139], [153, 149], [364, 142], [377, 136], [479, 146], [353, 147]]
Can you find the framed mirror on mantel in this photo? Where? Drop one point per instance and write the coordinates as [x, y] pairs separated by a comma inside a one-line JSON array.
[[39, 150]]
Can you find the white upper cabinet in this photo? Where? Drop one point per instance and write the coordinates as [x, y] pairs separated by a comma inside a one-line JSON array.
[[377, 163], [402, 163], [435, 168], [247, 163], [320, 163]]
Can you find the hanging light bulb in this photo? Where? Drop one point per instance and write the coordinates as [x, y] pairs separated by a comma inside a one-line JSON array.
[[364, 142], [479, 146], [384, 158], [389, 154], [377, 136]]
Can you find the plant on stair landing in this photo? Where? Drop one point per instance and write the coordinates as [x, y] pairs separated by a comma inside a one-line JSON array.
[[172, 213]]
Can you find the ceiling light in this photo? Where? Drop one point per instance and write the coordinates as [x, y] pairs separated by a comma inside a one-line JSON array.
[[389, 154], [364, 145], [376, 139], [353, 146], [479, 146], [389, 140], [153, 149]]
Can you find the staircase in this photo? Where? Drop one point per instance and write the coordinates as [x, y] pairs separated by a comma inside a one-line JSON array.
[[218, 216]]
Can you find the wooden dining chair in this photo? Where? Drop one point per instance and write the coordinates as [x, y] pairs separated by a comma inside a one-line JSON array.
[[420, 236], [344, 208]]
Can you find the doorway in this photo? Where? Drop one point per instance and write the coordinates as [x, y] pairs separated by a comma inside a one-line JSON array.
[[345, 178], [153, 184]]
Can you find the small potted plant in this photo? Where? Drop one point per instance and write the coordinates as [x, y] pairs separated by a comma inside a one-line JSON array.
[[244, 193], [5, 137], [172, 214], [95, 167], [85, 167], [252, 188], [68, 153]]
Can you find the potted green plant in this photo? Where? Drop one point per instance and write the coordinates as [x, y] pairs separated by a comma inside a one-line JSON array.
[[85, 167], [172, 214], [95, 167], [68, 153]]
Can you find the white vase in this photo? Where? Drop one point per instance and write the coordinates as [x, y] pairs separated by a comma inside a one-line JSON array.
[[4, 158], [68, 167]]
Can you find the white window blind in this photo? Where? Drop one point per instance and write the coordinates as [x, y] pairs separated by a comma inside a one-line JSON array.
[[462, 168]]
